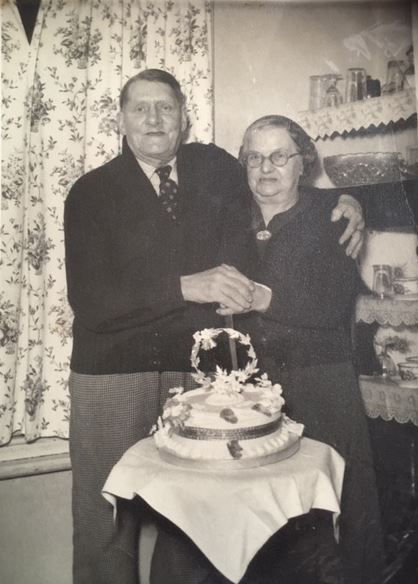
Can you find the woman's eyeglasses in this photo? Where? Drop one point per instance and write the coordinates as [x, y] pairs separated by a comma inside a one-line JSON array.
[[278, 158]]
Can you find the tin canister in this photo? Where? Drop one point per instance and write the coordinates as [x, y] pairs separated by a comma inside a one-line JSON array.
[[356, 84]]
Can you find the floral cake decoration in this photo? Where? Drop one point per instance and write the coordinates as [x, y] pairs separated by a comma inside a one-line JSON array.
[[177, 409], [222, 381]]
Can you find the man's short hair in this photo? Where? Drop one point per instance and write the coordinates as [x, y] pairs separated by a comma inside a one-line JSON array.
[[157, 75]]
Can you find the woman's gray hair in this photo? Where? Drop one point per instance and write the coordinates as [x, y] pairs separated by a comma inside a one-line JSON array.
[[303, 142]]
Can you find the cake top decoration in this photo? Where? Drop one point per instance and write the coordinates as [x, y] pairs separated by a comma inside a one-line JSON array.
[[225, 391], [221, 381]]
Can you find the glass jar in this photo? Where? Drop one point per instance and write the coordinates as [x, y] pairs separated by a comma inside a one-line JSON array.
[[316, 95], [333, 97], [382, 280], [356, 84], [395, 77]]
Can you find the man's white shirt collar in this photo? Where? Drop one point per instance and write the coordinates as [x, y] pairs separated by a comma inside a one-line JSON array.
[[150, 172]]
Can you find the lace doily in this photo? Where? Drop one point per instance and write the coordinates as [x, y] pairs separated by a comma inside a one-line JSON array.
[[358, 114], [388, 311], [389, 401]]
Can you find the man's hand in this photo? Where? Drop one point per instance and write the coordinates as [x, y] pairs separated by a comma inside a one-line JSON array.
[[350, 208], [223, 284], [261, 301]]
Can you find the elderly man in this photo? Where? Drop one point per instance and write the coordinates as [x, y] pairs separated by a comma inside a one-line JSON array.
[[154, 239]]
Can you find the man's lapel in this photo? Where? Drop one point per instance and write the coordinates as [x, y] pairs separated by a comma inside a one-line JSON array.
[[132, 179], [188, 175]]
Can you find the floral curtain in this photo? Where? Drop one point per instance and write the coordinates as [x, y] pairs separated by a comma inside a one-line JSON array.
[[60, 102]]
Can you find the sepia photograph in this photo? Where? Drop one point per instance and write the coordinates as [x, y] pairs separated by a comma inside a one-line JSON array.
[[209, 292]]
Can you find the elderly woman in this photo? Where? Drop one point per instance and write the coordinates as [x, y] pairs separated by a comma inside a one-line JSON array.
[[300, 326], [302, 331]]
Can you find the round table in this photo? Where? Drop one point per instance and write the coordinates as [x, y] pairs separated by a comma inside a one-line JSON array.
[[254, 503]]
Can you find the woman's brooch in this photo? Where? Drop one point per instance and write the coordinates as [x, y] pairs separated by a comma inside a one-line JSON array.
[[263, 235]]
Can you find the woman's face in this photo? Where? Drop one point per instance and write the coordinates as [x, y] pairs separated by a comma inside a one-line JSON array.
[[271, 184]]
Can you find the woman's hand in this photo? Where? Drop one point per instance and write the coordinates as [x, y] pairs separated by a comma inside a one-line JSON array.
[[261, 302], [223, 284], [350, 208]]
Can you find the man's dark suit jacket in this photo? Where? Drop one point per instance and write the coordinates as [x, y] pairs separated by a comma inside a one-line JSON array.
[[125, 256]]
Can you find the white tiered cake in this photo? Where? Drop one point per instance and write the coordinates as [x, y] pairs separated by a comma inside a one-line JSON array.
[[228, 421]]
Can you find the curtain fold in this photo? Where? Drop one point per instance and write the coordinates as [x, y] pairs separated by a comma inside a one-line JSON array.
[[414, 12], [60, 104]]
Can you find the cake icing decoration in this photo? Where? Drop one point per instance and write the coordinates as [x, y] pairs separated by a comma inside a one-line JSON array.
[[233, 417], [234, 448]]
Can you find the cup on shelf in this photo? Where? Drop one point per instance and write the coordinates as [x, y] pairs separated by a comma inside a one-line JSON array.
[[406, 286], [408, 371]]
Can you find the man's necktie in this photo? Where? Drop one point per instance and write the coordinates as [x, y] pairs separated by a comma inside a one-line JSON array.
[[168, 191]]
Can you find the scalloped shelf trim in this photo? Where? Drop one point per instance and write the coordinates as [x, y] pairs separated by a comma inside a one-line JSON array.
[[359, 115]]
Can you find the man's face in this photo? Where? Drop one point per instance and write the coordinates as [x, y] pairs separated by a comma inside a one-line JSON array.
[[152, 120]]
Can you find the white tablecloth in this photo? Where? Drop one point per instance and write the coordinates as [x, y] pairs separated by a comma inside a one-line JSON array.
[[230, 515]]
